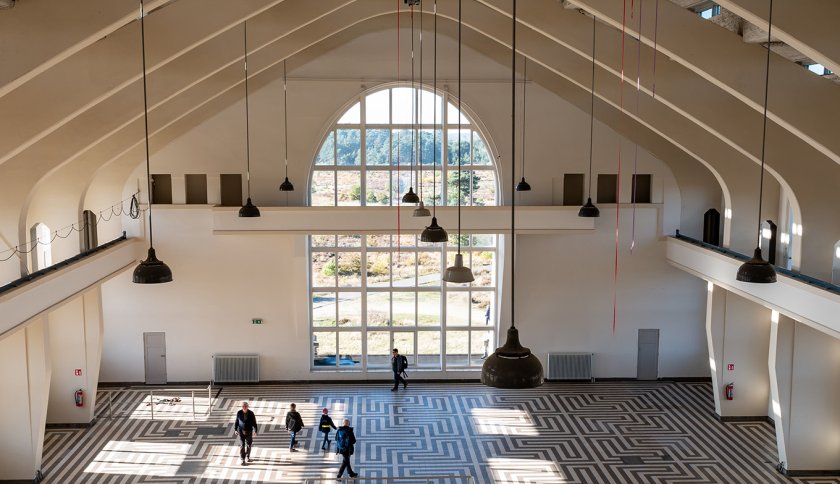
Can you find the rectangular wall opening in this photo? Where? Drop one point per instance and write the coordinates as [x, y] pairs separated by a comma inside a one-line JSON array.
[[640, 191], [196, 188], [573, 189], [162, 189], [231, 190], [606, 188]]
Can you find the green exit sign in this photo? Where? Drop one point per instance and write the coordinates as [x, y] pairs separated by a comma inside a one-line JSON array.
[[256, 321]]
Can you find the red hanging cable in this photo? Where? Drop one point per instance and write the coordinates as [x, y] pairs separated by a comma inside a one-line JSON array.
[[618, 175], [636, 147]]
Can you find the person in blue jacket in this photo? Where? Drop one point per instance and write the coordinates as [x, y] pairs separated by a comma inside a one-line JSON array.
[[324, 427], [345, 444]]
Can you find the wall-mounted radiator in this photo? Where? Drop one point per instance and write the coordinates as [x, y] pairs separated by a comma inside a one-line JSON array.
[[570, 366], [229, 368]]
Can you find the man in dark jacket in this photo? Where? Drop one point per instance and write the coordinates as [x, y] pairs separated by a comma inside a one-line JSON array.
[[245, 428], [324, 427], [398, 364], [293, 424], [345, 444]]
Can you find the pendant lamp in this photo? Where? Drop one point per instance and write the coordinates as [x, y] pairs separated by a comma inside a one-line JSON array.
[[421, 210], [589, 210], [459, 273], [410, 196], [151, 270], [512, 365], [249, 209], [434, 232], [523, 186], [286, 186], [757, 270]]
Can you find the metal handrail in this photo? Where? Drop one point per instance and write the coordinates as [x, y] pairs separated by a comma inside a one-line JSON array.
[[151, 392], [387, 479], [810, 280]]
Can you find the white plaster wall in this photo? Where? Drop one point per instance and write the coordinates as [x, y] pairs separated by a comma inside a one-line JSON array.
[[17, 457]]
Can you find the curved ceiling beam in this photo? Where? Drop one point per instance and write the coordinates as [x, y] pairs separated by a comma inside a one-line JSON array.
[[700, 46], [809, 26]]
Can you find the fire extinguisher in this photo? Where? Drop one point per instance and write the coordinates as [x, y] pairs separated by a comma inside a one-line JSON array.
[[79, 397], [729, 391]]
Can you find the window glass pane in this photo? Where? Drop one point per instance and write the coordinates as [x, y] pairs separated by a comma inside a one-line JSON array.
[[430, 179], [403, 269], [428, 308], [457, 348], [349, 269], [452, 146], [483, 188], [453, 243], [483, 265], [379, 309], [481, 346], [323, 309], [452, 115], [378, 349], [481, 156], [378, 269], [349, 309], [406, 180], [405, 240], [484, 240], [323, 348], [350, 349], [429, 103], [323, 269], [428, 349], [481, 312], [452, 187], [379, 241], [348, 149], [323, 241], [404, 139], [404, 342], [378, 187], [349, 240], [428, 142], [377, 107], [352, 116], [349, 188], [376, 146], [326, 156], [404, 312], [403, 102], [428, 268], [458, 308], [322, 191]]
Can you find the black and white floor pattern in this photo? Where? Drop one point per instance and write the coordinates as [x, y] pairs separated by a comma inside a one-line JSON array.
[[625, 432]]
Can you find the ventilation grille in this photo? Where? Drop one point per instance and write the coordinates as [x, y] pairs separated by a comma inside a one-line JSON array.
[[236, 368], [570, 366]]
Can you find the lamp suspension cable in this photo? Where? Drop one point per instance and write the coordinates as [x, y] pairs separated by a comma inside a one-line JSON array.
[[459, 126], [420, 113], [764, 127], [247, 115], [524, 103], [513, 173], [434, 117], [146, 119], [635, 178], [285, 121], [592, 107]]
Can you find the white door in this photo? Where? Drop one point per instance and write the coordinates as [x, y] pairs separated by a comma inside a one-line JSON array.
[[154, 345]]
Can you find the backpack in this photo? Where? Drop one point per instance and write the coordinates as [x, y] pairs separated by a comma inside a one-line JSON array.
[[342, 441], [404, 362]]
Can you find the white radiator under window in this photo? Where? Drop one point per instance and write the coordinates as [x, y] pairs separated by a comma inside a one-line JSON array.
[[570, 366], [239, 368]]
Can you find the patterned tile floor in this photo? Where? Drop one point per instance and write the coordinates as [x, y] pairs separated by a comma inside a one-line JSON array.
[[625, 432]]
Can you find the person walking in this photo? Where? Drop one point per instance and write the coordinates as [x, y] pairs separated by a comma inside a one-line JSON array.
[[294, 423], [345, 444], [324, 427], [398, 364], [246, 429]]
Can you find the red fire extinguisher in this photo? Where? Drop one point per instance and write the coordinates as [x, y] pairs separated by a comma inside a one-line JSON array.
[[79, 397], [729, 391]]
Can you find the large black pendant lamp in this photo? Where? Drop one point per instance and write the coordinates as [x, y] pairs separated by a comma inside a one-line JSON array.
[[459, 273], [523, 186], [757, 270], [286, 186], [512, 365], [151, 270], [589, 209], [249, 209], [410, 196], [421, 210], [434, 232]]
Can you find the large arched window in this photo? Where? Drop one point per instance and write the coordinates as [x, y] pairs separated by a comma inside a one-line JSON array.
[[374, 292]]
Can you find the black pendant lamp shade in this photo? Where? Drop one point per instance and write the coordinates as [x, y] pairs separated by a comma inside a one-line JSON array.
[[589, 210], [434, 233], [249, 210], [410, 196], [757, 270], [287, 186], [152, 270], [512, 365], [523, 186]]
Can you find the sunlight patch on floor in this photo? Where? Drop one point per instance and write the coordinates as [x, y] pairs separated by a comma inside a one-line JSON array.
[[503, 421]]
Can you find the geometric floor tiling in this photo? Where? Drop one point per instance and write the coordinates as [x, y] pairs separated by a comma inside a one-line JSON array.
[[611, 432]]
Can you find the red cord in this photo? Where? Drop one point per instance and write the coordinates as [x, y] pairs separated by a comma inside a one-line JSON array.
[[618, 176]]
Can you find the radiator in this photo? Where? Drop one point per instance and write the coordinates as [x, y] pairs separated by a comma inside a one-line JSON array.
[[570, 366], [228, 368]]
